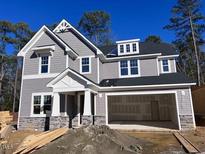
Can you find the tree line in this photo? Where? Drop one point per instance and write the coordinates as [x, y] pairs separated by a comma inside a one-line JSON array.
[[187, 21]]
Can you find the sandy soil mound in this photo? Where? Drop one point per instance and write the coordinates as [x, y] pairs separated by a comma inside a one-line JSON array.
[[93, 140]]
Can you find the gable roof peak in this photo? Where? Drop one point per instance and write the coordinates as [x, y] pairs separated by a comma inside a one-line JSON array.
[[63, 26]]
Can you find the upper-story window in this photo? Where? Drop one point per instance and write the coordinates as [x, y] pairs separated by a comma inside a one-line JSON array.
[[124, 67], [127, 47], [85, 65], [121, 48], [44, 68], [165, 66], [134, 47], [129, 68]]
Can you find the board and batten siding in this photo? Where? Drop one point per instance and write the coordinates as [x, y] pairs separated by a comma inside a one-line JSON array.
[[57, 61], [30, 86]]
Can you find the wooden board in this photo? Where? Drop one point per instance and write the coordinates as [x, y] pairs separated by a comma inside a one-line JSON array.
[[46, 139], [5, 131], [33, 142], [189, 147]]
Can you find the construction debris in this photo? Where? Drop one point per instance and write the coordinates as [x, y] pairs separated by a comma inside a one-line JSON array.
[[94, 140], [5, 121], [34, 142], [190, 147]]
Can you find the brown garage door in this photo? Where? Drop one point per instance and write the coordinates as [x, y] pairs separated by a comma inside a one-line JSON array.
[[140, 107]]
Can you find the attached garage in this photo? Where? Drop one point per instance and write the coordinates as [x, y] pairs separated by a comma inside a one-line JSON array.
[[155, 109]]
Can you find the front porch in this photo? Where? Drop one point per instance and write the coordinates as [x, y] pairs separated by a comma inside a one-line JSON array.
[[72, 109]]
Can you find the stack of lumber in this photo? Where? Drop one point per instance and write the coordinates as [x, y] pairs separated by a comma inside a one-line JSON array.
[[5, 117], [5, 120], [34, 142]]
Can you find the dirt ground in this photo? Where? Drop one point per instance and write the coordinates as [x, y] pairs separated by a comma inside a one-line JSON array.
[[100, 140]]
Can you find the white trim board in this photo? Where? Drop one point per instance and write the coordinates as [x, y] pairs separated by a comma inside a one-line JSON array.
[[40, 76], [42, 94], [37, 36]]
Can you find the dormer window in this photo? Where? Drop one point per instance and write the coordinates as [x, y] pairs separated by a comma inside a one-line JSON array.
[[128, 47], [165, 66], [121, 48], [134, 47]]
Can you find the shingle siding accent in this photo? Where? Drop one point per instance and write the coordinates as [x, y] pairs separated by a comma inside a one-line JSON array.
[[76, 44], [32, 86]]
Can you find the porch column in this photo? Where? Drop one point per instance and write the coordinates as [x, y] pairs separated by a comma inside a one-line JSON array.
[[56, 105], [87, 103]]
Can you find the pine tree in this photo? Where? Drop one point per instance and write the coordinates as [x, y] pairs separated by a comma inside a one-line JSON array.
[[188, 23]]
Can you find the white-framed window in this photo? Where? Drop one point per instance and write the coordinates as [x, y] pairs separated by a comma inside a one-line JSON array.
[[129, 68], [41, 104], [44, 64], [85, 65], [134, 47], [165, 66], [134, 67], [121, 48], [37, 104], [127, 47], [124, 67]]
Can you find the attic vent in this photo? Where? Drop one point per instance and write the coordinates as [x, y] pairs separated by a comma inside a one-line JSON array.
[[62, 27]]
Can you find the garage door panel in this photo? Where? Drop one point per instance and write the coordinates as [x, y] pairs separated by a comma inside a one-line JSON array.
[[138, 107]]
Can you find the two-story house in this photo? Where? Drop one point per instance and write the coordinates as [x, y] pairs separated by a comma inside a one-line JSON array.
[[68, 81]]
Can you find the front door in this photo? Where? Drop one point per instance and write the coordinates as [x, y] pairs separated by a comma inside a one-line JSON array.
[[71, 108]]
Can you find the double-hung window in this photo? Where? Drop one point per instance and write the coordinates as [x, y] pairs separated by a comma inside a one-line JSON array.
[[37, 104], [134, 67], [124, 67], [129, 68], [47, 103], [85, 65], [44, 64], [165, 65], [41, 104]]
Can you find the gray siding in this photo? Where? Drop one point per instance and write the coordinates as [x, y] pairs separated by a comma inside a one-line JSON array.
[[75, 65], [100, 104], [29, 87], [77, 45], [109, 70], [184, 101], [148, 67], [183, 98], [57, 62]]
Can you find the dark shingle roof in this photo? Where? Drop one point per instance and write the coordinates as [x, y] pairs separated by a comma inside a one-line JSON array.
[[144, 48], [169, 78]]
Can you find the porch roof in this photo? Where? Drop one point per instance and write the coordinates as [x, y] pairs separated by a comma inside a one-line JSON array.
[[162, 79]]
